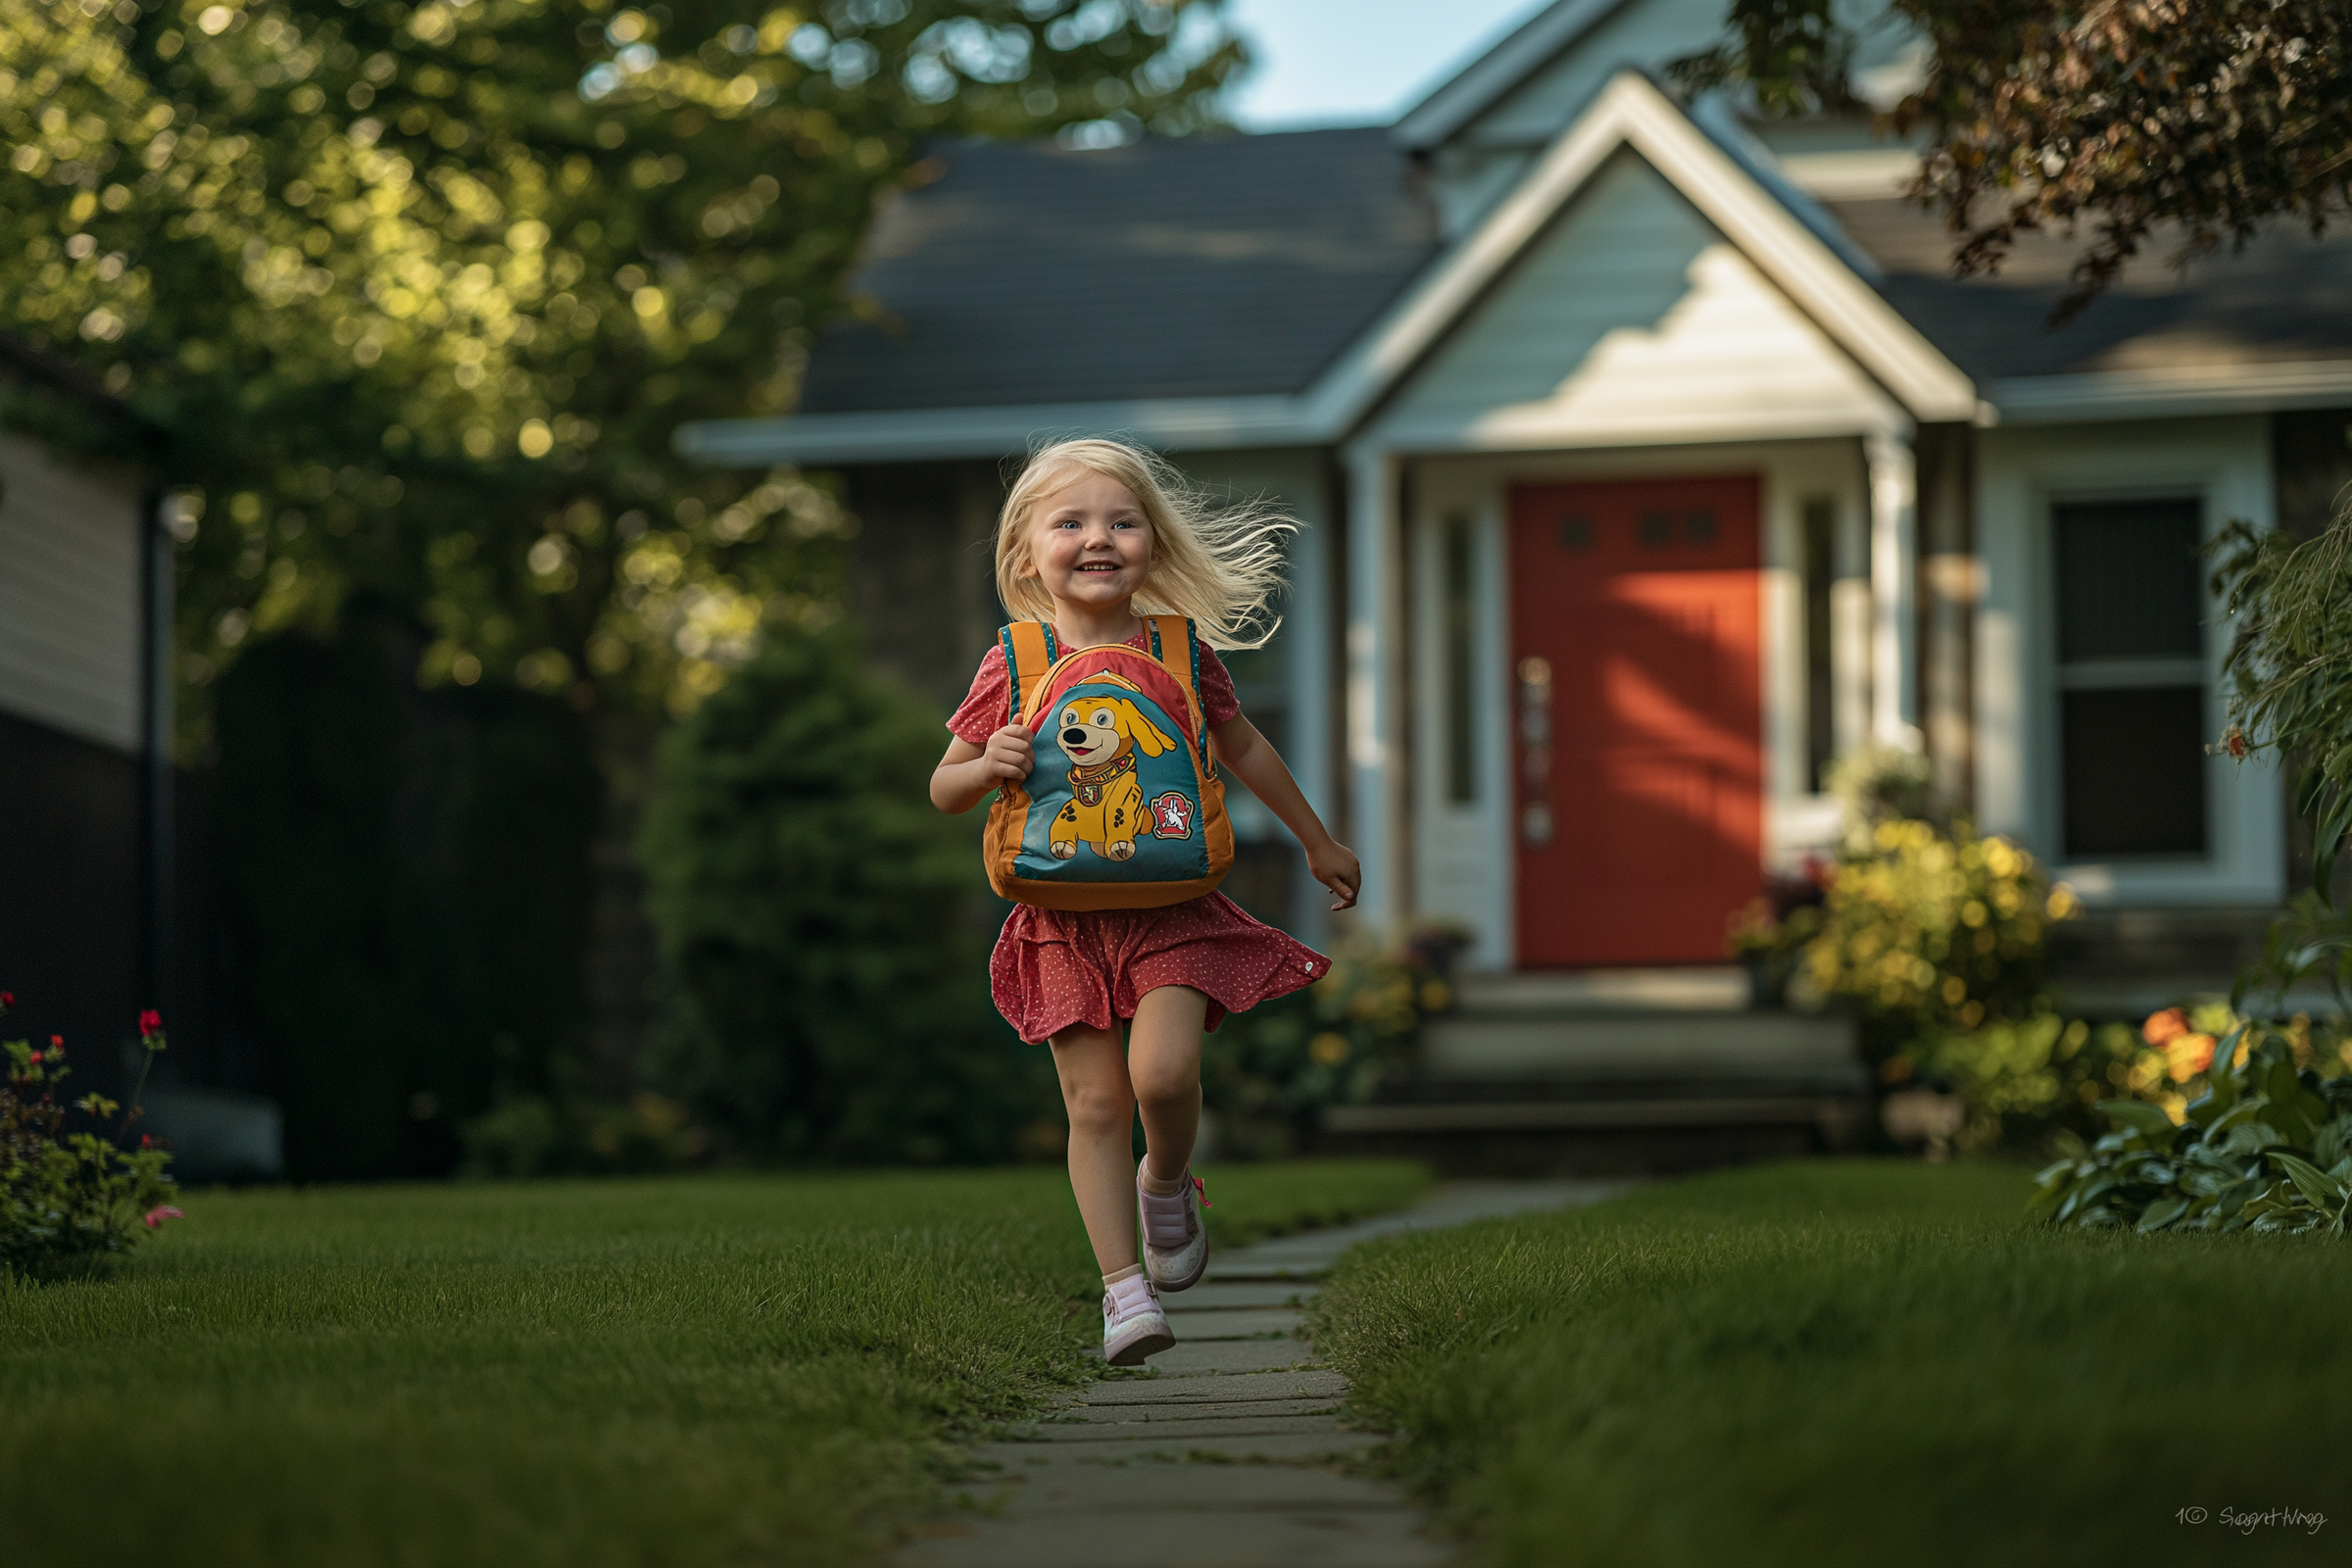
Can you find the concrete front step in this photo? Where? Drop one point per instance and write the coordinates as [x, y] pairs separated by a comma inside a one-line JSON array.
[[1787, 1051], [1830, 1114], [1614, 1071], [1712, 989]]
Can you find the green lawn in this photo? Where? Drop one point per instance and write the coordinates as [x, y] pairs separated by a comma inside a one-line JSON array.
[[1855, 1362], [664, 1373]]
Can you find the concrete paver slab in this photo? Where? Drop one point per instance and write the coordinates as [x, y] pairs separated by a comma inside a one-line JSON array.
[[1110, 1415], [1239, 1270], [1214, 1388], [1165, 1487], [1241, 1323], [1234, 1447], [1188, 1430], [1239, 1538], [1207, 1357], [1242, 1293]]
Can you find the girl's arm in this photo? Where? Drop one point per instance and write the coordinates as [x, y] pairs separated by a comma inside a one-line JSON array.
[[967, 774], [1249, 756]]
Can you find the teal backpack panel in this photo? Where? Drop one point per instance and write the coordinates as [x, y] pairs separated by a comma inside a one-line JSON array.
[[1115, 792]]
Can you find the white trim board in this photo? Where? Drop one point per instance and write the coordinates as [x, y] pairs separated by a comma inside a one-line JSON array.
[[2171, 390], [1498, 72], [1187, 423], [1630, 112]]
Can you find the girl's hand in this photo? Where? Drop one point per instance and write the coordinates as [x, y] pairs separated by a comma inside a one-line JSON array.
[[1008, 756], [1335, 865]]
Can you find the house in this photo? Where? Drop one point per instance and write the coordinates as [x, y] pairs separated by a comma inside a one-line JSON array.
[[84, 720], [104, 870], [1652, 459]]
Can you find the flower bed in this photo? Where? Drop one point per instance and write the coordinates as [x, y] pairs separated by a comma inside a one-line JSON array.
[[72, 1199]]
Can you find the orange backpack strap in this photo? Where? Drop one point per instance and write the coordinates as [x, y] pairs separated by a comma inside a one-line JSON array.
[[1029, 655], [1178, 650]]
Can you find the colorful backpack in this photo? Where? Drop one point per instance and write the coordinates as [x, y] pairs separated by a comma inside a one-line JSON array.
[[1123, 808]]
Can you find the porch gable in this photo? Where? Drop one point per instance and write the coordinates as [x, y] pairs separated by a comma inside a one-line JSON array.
[[1634, 320]]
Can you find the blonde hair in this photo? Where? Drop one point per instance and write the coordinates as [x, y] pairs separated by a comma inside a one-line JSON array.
[[1219, 564]]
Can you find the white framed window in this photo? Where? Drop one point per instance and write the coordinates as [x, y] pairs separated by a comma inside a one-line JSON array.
[[2099, 660]]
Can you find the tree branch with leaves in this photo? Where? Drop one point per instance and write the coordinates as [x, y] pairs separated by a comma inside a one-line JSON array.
[[2208, 119], [415, 295]]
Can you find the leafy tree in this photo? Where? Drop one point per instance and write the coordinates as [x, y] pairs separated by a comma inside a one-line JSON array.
[[2289, 666], [416, 294], [822, 925], [2216, 117]]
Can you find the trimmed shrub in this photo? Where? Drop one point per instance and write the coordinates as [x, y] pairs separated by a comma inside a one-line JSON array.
[[823, 929]]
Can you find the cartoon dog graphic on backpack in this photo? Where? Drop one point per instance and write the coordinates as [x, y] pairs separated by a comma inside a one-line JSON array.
[[1101, 736]]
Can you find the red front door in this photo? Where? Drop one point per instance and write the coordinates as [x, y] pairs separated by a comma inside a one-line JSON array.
[[1637, 717]]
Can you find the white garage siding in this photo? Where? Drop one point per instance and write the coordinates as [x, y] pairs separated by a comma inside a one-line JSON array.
[[70, 594]]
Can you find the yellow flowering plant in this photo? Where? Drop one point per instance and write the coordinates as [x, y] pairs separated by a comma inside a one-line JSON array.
[[1930, 931]]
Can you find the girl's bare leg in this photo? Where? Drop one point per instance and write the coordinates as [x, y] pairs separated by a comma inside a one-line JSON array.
[[1163, 1068], [1101, 1101]]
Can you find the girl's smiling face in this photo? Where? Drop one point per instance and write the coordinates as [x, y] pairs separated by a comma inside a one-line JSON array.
[[1090, 543]]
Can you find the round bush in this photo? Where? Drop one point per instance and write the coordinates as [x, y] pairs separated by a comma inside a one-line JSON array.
[[823, 929]]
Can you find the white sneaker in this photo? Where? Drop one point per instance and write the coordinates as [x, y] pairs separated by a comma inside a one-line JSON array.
[[1175, 1240], [1133, 1325]]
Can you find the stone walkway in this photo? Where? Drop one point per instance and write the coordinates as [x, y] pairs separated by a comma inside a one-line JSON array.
[[1223, 1458]]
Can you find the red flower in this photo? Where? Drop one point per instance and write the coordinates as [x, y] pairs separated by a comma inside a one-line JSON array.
[[159, 1214], [150, 1021], [8, 999], [56, 1041], [36, 1059], [2236, 743], [146, 1140]]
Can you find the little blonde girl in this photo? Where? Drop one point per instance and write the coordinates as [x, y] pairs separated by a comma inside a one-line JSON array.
[[1092, 530]]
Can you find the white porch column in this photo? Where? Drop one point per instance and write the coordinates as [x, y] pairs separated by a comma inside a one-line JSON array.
[[1375, 767], [1310, 625], [1893, 572]]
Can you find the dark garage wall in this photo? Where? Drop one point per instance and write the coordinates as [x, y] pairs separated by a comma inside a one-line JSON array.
[[70, 895]]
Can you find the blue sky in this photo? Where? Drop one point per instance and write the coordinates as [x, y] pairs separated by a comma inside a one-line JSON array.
[[1358, 62]]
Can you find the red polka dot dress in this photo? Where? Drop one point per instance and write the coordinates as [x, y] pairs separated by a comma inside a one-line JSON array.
[[1053, 968]]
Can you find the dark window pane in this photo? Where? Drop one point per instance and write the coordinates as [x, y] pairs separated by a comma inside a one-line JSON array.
[[2134, 771], [1576, 533], [1657, 530], [1699, 528], [2129, 580], [1461, 738], [1820, 564]]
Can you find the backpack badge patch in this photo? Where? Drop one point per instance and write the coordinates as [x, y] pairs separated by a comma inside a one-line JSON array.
[[1172, 815]]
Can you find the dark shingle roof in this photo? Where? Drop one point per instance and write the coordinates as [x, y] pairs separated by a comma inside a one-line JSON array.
[[2286, 297], [1194, 267]]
